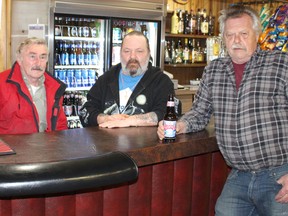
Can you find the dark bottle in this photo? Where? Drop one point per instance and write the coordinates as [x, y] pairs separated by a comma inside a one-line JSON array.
[[169, 121], [94, 55], [78, 101], [72, 102], [87, 53], [65, 54], [57, 60], [72, 54], [181, 23], [167, 53], [144, 30], [198, 22], [186, 23], [192, 22], [211, 24], [68, 109], [79, 54]]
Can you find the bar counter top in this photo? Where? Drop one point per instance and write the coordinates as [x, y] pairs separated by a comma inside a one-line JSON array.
[[87, 158], [141, 143]]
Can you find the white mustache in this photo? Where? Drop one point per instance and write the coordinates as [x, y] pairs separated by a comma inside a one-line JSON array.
[[237, 46]]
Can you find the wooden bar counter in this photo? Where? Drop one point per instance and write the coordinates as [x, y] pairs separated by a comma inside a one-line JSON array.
[[180, 178]]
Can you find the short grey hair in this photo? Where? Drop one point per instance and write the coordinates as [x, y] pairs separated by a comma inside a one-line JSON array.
[[238, 10], [29, 41]]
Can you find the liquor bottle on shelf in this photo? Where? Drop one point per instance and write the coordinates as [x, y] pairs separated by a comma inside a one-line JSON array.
[[198, 22], [192, 22], [186, 52], [186, 23], [204, 23], [174, 23], [211, 24], [181, 23], [167, 53], [169, 121], [199, 53], [193, 51], [179, 52], [173, 52]]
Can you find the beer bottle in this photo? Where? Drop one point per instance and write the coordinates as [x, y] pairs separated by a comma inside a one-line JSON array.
[[79, 54], [169, 121], [64, 53], [72, 54]]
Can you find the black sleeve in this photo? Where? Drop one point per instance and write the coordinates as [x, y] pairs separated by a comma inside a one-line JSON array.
[[93, 106]]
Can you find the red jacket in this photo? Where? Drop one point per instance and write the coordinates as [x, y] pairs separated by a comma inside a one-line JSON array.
[[18, 114]]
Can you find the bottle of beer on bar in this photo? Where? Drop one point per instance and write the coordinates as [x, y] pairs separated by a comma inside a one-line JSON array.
[[169, 121]]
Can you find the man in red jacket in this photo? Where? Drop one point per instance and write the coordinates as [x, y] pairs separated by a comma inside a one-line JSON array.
[[30, 97]]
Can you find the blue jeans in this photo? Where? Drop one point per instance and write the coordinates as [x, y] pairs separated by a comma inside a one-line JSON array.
[[252, 193]]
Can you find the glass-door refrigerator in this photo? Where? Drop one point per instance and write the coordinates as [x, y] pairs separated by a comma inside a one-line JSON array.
[[85, 39]]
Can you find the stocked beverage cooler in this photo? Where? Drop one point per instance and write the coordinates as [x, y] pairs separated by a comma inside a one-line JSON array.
[[85, 38]]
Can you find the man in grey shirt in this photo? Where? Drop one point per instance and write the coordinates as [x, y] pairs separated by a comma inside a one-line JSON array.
[[247, 92]]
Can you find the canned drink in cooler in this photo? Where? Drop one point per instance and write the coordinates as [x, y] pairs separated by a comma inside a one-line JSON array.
[[70, 78], [62, 75], [56, 72], [78, 77], [91, 77], [84, 73]]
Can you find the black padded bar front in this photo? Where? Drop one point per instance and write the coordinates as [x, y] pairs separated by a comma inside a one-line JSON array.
[[66, 176]]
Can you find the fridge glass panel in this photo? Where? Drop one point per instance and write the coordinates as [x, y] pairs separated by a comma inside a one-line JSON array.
[[79, 47], [120, 27]]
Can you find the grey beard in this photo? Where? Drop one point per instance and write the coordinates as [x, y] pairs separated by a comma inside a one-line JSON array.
[[134, 73]]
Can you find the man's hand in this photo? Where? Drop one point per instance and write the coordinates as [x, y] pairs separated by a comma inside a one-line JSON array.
[[125, 122], [282, 196], [106, 118], [180, 128]]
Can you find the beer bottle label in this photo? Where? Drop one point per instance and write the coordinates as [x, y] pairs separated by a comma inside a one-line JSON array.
[[169, 129]]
